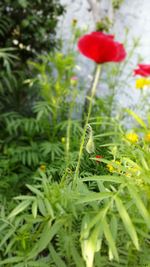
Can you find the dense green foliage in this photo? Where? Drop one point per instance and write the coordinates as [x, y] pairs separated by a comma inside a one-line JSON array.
[[26, 28], [99, 218], [29, 26]]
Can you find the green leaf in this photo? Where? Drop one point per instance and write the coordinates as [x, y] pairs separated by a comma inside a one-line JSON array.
[[137, 118], [56, 258], [37, 263], [46, 236], [7, 236], [98, 217], [127, 221], [11, 260], [139, 204], [49, 207], [76, 256], [34, 209], [23, 3], [94, 197], [113, 229], [110, 239], [35, 190], [24, 197], [22, 206], [105, 134], [41, 207], [107, 178]]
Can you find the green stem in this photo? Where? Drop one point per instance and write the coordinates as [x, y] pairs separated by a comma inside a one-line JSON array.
[[69, 125], [93, 91]]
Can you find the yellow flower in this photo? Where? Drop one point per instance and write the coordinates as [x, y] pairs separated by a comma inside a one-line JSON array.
[[147, 137], [142, 83], [132, 137], [110, 168], [134, 170], [113, 168], [43, 168]]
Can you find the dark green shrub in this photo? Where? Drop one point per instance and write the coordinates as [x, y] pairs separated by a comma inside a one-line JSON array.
[[29, 25]]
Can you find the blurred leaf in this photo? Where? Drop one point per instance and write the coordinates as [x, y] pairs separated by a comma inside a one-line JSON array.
[[56, 258], [110, 239], [137, 118], [11, 260], [94, 197], [34, 208], [107, 178], [127, 222], [35, 190], [48, 232], [22, 206], [139, 204]]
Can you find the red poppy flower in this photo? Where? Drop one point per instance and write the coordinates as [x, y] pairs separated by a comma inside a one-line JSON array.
[[101, 47], [143, 70], [98, 157]]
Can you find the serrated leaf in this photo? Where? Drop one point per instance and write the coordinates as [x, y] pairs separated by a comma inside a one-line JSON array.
[[127, 221]]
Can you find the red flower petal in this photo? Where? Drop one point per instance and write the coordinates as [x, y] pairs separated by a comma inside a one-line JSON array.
[[101, 48], [143, 70], [98, 157], [145, 67]]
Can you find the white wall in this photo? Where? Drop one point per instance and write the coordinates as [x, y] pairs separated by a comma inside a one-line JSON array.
[[133, 14]]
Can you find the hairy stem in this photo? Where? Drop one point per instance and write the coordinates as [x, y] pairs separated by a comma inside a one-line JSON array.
[[93, 91]]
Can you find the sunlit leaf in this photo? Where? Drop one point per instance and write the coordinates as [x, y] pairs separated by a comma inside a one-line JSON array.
[[22, 206], [110, 239], [137, 118]]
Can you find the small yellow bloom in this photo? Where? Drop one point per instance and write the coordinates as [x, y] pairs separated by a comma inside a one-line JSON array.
[[147, 137], [43, 168], [134, 170], [142, 83], [132, 137], [110, 168], [113, 168]]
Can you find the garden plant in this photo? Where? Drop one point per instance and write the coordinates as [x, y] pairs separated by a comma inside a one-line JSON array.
[[74, 190]]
